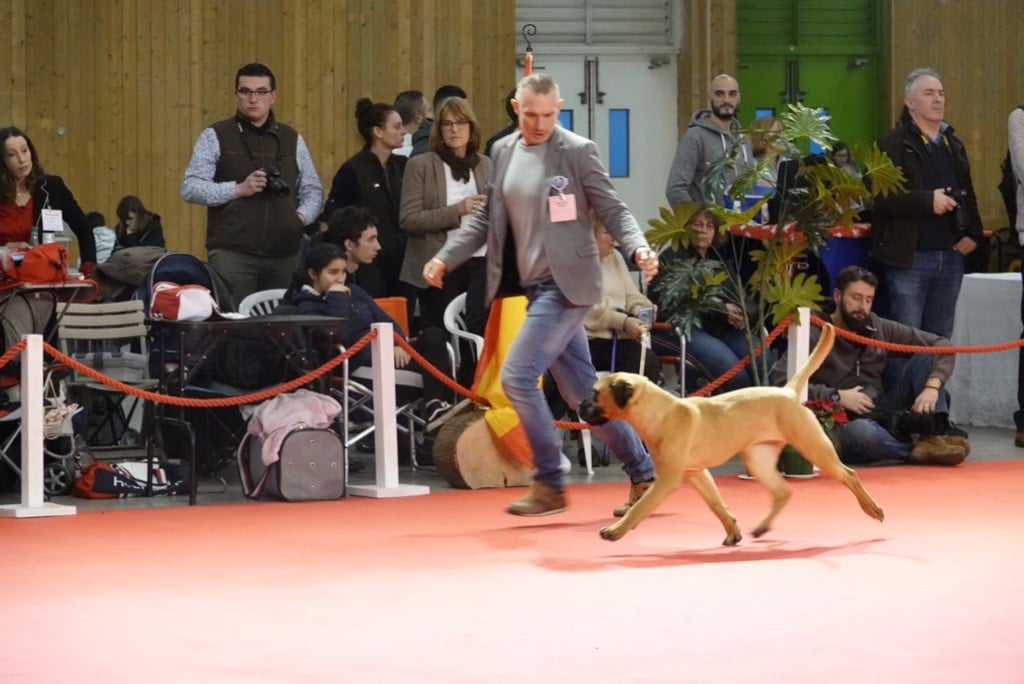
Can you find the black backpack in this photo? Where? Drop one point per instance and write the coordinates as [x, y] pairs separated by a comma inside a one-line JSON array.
[[1008, 186]]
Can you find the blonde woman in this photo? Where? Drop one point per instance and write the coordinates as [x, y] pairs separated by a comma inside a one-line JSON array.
[[440, 190]]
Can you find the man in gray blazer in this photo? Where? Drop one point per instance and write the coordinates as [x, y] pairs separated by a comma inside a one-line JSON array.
[[544, 183]]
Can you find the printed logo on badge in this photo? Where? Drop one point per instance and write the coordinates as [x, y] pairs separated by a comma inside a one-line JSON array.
[[562, 208]]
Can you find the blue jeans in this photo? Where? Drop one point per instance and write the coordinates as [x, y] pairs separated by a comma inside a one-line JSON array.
[[924, 295], [552, 337], [719, 354], [865, 441]]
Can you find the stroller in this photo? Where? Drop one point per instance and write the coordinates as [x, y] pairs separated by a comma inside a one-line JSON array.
[[219, 430], [23, 313]]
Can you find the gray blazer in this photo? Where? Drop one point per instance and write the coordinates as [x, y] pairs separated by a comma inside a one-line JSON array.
[[570, 246], [424, 212]]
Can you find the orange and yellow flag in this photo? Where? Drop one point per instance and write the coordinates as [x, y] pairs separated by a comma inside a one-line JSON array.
[[503, 324]]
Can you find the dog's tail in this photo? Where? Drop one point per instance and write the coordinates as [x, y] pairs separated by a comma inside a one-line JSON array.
[[818, 356]]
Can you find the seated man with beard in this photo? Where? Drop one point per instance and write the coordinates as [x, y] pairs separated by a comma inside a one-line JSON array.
[[897, 408]]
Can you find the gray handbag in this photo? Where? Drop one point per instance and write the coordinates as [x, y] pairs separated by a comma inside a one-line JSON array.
[[310, 467]]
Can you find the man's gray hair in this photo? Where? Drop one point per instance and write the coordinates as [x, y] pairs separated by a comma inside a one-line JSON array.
[[409, 103], [538, 83], [908, 85]]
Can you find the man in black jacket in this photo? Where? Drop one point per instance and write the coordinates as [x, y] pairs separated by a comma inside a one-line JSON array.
[[923, 234]]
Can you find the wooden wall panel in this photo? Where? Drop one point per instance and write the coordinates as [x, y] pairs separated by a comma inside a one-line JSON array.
[[978, 49], [708, 49], [133, 82]]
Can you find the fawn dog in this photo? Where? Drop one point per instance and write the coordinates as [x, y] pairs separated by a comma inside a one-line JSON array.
[[687, 436]]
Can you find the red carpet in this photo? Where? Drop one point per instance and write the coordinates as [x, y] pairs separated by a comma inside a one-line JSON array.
[[448, 588]]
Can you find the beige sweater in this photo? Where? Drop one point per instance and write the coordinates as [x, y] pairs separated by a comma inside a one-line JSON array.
[[620, 293]]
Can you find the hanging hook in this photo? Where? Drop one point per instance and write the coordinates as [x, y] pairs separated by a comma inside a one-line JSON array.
[[529, 30]]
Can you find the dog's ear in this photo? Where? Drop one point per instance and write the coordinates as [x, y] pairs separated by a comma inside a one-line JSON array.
[[622, 390]]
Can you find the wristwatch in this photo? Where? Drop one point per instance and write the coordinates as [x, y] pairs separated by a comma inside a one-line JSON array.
[[834, 397]]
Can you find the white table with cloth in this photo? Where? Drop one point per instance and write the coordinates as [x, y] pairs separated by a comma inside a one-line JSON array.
[[984, 386]]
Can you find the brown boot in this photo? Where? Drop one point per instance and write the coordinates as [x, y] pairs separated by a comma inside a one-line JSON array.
[[541, 499], [937, 450], [636, 490], [960, 442]]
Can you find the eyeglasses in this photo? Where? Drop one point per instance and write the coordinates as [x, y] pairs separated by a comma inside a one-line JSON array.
[[452, 125], [245, 93]]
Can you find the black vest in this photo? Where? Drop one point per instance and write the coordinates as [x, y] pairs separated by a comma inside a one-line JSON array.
[[264, 224]]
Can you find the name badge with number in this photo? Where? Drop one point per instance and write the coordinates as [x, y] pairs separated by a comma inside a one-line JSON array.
[[53, 221]]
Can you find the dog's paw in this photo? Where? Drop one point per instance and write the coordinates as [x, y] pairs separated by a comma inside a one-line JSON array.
[[732, 539], [759, 530], [610, 533]]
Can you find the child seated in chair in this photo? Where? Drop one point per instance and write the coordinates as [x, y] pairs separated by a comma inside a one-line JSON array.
[[318, 288]]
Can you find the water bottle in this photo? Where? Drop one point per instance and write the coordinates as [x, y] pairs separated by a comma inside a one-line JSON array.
[[33, 236]]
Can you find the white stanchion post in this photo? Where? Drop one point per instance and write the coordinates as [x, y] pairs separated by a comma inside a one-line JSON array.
[[799, 346], [33, 504], [682, 365], [385, 430]]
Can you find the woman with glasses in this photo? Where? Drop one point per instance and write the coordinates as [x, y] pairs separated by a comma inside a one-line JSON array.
[[439, 192], [26, 190], [721, 341], [372, 179], [137, 226]]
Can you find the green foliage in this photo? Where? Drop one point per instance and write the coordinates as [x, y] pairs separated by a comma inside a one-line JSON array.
[[823, 196]]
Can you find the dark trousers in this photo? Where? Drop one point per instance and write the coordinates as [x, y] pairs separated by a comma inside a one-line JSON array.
[[1018, 415]]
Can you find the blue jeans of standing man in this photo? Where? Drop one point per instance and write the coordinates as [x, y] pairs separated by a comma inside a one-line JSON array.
[[553, 337], [865, 441], [924, 295]]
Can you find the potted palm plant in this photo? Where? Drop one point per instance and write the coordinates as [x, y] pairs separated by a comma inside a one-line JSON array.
[[809, 201]]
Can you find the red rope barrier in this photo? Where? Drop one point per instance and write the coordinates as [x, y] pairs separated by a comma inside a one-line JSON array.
[[451, 383]]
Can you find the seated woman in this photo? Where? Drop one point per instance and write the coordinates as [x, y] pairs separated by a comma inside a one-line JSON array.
[[721, 341], [318, 288], [137, 226], [614, 332], [25, 191]]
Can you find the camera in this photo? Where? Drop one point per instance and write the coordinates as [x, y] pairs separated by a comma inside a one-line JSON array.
[[276, 185], [963, 224]]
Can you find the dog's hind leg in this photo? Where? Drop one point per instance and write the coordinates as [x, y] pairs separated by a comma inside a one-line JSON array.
[[705, 486], [664, 484], [761, 461], [818, 449]]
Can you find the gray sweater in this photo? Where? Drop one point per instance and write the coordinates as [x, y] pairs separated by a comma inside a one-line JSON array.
[[702, 144]]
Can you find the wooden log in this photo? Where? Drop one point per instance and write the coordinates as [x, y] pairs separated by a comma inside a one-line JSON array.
[[467, 457]]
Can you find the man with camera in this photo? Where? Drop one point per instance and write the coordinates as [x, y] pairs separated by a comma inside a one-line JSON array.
[[257, 180], [923, 234], [898, 412]]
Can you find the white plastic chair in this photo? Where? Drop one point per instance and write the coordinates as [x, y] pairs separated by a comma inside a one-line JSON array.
[[455, 324], [261, 303]]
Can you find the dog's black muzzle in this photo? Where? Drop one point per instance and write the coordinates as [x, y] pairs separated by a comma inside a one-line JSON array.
[[591, 412]]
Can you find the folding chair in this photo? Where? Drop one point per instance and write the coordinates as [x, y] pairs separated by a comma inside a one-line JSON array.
[[356, 392], [111, 338], [25, 313]]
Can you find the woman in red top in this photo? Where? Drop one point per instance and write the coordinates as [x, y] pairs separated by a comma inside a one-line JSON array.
[[25, 190]]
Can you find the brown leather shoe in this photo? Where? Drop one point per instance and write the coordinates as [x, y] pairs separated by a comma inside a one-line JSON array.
[[541, 499], [937, 450], [636, 490]]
